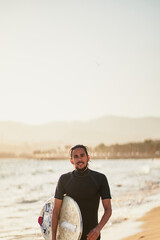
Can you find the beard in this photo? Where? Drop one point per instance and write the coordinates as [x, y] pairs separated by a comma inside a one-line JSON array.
[[80, 170]]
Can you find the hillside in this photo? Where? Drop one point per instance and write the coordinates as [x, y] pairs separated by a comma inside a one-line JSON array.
[[108, 130]]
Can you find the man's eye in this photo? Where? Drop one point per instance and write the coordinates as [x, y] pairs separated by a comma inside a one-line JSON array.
[[82, 155]]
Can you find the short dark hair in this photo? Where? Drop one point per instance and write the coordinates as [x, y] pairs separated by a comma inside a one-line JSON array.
[[78, 146]]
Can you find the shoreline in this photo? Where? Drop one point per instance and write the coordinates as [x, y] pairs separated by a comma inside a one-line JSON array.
[[149, 229], [67, 157], [143, 224]]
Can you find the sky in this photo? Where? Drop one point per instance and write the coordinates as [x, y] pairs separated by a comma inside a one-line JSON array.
[[79, 59]]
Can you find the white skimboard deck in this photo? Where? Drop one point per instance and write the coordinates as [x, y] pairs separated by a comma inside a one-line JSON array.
[[70, 225]]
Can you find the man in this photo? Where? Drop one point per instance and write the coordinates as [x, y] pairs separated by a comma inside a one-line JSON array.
[[86, 187]]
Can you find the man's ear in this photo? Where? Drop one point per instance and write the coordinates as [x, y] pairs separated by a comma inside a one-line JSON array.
[[71, 160], [88, 158]]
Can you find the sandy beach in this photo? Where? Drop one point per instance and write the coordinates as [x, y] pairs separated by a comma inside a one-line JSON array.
[[150, 228]]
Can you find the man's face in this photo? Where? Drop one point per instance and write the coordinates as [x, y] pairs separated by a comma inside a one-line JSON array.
[[79, 158]]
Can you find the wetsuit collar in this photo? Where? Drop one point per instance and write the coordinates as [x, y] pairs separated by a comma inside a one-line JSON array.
[[81, 174]]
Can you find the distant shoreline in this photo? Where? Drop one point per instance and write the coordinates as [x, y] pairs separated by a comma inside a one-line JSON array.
[[65, 158], [149, 149]]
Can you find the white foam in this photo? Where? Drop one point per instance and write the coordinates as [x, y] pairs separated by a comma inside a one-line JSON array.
[[120, 231]]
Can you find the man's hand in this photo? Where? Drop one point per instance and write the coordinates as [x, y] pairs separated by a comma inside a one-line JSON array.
[[93, 234]]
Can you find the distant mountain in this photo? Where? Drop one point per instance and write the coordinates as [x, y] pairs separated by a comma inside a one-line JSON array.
[[108, 129]]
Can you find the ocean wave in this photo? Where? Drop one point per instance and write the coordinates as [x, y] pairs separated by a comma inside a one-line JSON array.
[[28, 201]]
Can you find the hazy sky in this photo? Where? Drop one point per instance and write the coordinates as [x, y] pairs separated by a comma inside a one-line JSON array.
[[79, 59]]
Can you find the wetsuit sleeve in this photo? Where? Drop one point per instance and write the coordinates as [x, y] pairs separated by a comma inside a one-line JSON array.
[[59, 193], [105, 189]]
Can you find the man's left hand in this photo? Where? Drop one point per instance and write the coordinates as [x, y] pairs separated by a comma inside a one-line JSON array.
[[93, 234]]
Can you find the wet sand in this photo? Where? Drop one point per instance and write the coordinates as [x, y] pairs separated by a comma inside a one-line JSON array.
[[150, 228]]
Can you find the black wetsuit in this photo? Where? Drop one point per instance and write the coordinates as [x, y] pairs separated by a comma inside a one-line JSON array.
[[86, 189]]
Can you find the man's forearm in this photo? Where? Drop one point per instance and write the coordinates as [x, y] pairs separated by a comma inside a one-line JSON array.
[[55, 217], [104, 218]]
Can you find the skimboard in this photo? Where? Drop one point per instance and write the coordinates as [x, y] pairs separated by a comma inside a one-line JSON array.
[[69, 224]]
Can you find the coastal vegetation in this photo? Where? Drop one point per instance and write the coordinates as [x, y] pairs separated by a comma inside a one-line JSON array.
[[146, 149], [133, 150]]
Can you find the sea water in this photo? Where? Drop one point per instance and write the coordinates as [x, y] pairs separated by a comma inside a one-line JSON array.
[[26, 184]]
